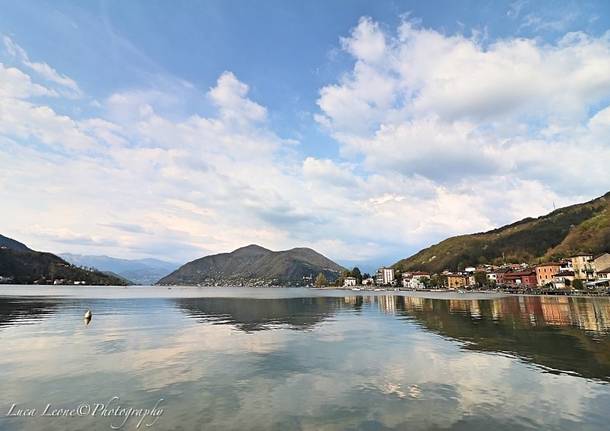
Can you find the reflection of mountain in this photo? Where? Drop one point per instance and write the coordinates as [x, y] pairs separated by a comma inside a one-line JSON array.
[[23, 310], [250, 314], [562, 334]]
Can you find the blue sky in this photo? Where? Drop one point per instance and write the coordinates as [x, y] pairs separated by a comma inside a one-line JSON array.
[[366, 130]]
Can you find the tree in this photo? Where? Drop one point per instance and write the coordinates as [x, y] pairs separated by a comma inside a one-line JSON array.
[[357, 275], [480, 278], [320, 280], [578, 284]]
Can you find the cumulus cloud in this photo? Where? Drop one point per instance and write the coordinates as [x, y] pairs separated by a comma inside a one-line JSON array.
[[450, 106]]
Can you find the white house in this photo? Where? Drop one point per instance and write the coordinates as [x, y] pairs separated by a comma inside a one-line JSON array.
[[368, 281], [349, 281]]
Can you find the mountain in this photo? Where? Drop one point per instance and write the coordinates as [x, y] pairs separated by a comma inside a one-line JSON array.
[[11, 244], [255, 265], [580, 228], [138, 271], [21, 265]]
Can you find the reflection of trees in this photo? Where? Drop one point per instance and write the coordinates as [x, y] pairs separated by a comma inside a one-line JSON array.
[[20, 310], [251, 314], [563, 334]]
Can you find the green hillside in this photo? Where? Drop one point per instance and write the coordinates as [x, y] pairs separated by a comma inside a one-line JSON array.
[[561, 233], [255, 264], [21, 265]]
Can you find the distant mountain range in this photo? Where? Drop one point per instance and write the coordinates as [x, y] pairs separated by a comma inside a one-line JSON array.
[[21, 265], [580, 228], [138, 271], [255, 265]]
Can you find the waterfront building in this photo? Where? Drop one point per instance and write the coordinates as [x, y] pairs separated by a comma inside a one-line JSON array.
[[562, 279], [349, 281], [521, 278], [604, 274], [457, 281], [601, 262], [384, 276], [501, 275], [546, 272], [583, 268]]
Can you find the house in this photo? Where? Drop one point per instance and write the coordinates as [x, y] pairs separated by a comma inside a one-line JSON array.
[[604, 274], [545, 272], [501, 275], [563, 279], [566, 265], [470, 269], [601, 283], [384, 276], [457, 281], [415, 280], [583, 268], [349, 281], [602, 261], [412, 283], [525, 278], [368, 281], [491, 277]]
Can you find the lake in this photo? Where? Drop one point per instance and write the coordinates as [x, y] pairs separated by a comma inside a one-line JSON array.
[[300, 359]]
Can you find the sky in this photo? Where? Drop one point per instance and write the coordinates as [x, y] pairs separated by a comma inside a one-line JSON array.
[[365, 130]]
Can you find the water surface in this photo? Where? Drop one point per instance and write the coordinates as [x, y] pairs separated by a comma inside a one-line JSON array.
[[259, 359]]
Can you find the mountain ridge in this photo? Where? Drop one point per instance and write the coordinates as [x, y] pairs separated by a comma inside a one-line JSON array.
[[21, 265], [577, 228], [139, 271], [254, 264]]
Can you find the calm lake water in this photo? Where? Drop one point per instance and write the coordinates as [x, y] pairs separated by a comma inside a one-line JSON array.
[[284, 359]]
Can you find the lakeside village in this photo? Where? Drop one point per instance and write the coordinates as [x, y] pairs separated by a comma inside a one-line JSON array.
[[583, 273]]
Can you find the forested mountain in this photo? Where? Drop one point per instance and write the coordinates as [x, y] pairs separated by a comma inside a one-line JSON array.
[[566, 231]]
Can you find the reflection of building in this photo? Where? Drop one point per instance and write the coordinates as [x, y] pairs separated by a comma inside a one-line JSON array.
[[349, 281], [545, 273], [583, 267], [556, 311], [457, 281], [387, 303]]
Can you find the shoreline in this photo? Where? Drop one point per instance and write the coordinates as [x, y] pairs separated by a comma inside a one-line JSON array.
[[174, 292]]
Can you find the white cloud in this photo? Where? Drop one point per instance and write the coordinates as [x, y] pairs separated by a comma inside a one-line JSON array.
[[438, 134], [69, 87], [229, 96], [367, 41], [447, 106], [16, 84]]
